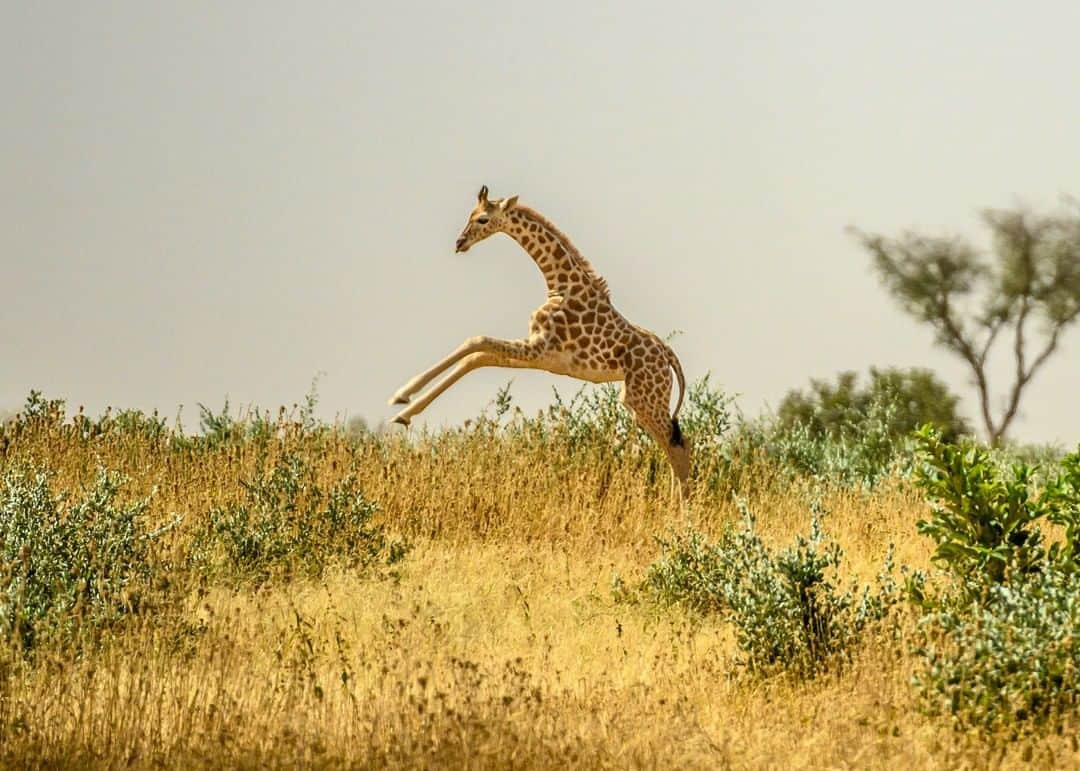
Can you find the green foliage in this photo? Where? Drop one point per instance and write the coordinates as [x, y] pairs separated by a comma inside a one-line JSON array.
[[984, 521], [42, 415], [913, 397], [137, 421], [999, 648], [787, 609], [68, 566], [706, 415], [288, 524], [75, 564], [594, 427], [856, 435], [986, 518], [253, 425], [593, 416], [1011, 663], [1063, 502], [36, 412], [37, 407], [862, 450], [218, 429]]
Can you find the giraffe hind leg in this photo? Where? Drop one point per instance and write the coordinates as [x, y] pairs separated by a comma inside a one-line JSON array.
[[647, 401]]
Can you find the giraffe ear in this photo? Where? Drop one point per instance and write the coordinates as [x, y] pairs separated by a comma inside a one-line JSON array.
[[508, 203], [482, 195]]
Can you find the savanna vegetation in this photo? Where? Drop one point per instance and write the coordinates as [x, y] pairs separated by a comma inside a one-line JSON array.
[[523, 591]]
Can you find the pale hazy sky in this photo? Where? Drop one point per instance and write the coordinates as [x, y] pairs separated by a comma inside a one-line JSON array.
[[210, 199]]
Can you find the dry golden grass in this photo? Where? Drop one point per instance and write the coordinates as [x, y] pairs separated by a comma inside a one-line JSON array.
[[496, 643]]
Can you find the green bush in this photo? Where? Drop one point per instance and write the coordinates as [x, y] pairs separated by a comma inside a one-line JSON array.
[[1011, 662], [850, 434], [999, 646], [862, 450], [985, 520], [287, 524], [787, 609], [41, 416], [1063, 502], [68, 567], [986, 517], [914, 397]]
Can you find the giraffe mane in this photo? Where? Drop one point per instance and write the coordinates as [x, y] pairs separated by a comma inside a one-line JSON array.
[[598, 281]]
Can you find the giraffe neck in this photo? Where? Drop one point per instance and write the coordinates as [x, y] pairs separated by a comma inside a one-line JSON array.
[[565, 271]]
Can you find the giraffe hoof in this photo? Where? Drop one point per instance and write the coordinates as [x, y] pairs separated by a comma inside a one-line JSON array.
[[398, 398], [402, 420]]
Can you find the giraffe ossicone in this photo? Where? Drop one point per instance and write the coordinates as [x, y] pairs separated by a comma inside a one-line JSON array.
[[576, 332]]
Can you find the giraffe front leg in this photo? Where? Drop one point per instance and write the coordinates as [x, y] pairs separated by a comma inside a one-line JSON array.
[[471, 362], [470, 346], [523, 354]]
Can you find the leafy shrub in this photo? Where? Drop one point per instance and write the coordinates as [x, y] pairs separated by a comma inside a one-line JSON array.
[[39, 408], [986, 518], [787, 611], [133, 423], [40, 416], [857, 435], [1011, 663], [1063, 502], [999, 647], [915, 397], [593, 416], [255, 426], [222, 429], [287, 523], [706, 415], [68, 566], [862, 449]]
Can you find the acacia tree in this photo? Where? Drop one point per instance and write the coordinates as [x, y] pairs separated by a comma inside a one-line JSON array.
[[1029, 291]]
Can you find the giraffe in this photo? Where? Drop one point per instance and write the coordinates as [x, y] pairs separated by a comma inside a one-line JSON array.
[[576, 332]]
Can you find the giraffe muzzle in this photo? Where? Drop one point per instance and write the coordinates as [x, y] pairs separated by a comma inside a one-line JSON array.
[[461, 245]]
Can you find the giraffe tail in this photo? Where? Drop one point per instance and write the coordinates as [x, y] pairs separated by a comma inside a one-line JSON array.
[[676, 431]]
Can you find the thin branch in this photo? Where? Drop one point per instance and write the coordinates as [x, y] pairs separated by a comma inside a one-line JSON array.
[[994, 327], [967, 352], [1046, 352], [1022, 374]]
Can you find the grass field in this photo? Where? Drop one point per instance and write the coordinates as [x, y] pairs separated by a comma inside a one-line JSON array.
[[496, 640]]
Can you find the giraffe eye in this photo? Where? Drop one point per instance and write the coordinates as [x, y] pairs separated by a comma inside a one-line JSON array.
[[482, 220]]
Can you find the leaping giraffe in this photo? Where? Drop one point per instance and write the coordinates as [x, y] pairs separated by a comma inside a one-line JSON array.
[[577, 332]]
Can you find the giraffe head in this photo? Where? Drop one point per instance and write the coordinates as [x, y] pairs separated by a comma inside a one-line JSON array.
[[486, 218]]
